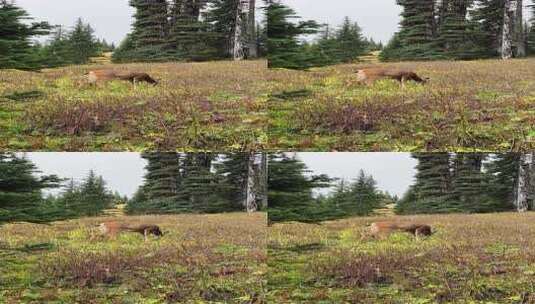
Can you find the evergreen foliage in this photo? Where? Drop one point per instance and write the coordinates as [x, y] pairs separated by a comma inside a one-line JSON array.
[[290, 191], [16, 49], [462, 182], [88, 198], [193, 183], [192, 30], [20, 190]]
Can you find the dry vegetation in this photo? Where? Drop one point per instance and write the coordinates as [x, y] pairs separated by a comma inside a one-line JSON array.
[[481, 105], [201, 259], [214, 106], [470, 259]]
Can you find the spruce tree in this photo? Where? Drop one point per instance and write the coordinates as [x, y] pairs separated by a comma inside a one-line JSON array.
[[82, 42], [16, 50], [433, 183], [191, 36], [489, 15], [468, 182], [418, 30], [20, 190], [284, 48], [456, 32], [502, 176], [150, 29], [290, 190]]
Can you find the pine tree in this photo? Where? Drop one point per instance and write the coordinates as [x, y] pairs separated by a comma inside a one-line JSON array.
[[285, 50], [531, 33], [16, 51], [163, 177], [456, 32], [418, 30], [150, 29], [502, 174], [468, 182], [290, 190], [489, 15], [190, 37], [82, 43], [433, 183], [20, 190]]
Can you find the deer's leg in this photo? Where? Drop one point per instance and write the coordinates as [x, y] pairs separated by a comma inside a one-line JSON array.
[[402, 81], [145, 234]]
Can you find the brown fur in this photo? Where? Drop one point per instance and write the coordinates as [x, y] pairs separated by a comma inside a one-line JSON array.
[[382, 229], [108, 75], [369, 76], [112, 229]]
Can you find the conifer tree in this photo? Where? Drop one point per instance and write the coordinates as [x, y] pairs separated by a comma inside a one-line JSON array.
[[418, 29], [284, 48], [433, 183], [290, 190], [20, 190], [16, 51], [150, 29], [82, 42]]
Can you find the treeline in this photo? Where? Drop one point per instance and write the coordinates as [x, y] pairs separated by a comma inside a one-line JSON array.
[[18, 51], [174, 183], [461, 29], [291, 194], [429, 30], [22, 198], [287, 49], [162, 31], [202, 183], [471, 182], [193, 30], [444, 183]]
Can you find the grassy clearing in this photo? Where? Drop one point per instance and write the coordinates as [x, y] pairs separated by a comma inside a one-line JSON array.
[[470, 259], [201, 259], [481, 105], [208, 106]]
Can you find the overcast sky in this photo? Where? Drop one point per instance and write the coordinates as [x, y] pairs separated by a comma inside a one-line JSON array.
[[122, 171], [394, 172], [111, 19], [379, 19]]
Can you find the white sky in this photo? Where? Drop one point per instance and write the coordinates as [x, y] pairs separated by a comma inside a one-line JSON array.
[[111, 19], [122, 171], [394, 172], [379, 19]]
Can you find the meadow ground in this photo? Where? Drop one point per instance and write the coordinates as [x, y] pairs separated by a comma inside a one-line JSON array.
[[470, 259], [213, 106], [201, 259], [486, 105]]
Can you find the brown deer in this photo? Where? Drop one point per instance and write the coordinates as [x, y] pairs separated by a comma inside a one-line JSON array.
[[369, 76], [108, 75], [382, 229], [111, 229]]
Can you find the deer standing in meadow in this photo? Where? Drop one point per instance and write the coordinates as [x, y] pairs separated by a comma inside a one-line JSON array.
[[108, 75], [113, 228], [369, 76], [382, 229]]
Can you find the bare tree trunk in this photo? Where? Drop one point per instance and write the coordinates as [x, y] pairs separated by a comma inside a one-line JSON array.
[[251, 18], [508, 28], [237, 41], [519, 30], [250, 193], [264, 180], [524, 182]]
